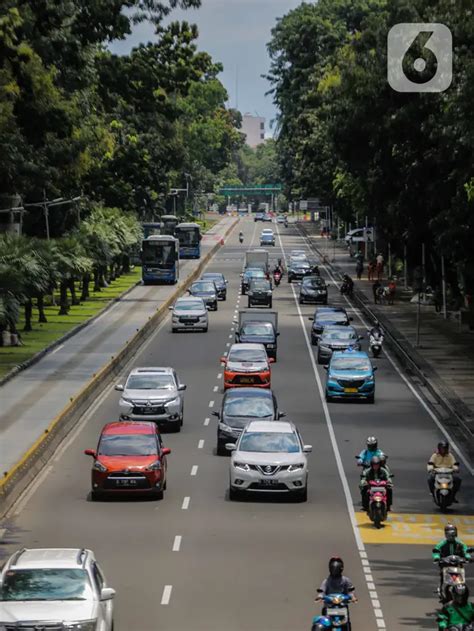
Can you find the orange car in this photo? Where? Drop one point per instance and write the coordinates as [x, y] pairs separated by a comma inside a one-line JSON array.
[[247, 365]]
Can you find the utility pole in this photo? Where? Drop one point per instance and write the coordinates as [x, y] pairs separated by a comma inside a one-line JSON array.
[[421, 286], [443, 281], [405, 266], [389, 260], [46, 214]]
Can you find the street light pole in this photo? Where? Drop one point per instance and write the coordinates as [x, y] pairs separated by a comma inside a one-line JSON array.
[[443, 281]]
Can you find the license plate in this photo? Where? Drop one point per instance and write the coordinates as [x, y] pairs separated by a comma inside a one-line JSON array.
[[126, 482], [188, 323], [350, 390], [246, 380], [336, 611], [269, 482]]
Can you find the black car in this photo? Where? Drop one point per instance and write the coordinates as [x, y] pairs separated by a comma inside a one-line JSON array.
[[239, 406], [248, 276], [313, 289], [219, 281], [326, 316], [260, 293], [297, 269], [207, 290], [259, 332]]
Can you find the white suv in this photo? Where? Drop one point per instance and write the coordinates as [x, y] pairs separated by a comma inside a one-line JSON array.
[[269, 457], [54, 589]]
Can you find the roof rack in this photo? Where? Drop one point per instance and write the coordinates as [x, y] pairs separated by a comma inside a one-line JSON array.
[[16, 556], [82, 553]]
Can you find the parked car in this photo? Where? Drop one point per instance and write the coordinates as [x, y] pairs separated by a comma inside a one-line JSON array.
[[337, 338], [55, 588], [247, 365], [269, 457], [239, 407], [153, 394], [327, 316], [260, 293], [219, 281], [130, 458], [189, 314], [313, 289], [350, 374], [207, 290]]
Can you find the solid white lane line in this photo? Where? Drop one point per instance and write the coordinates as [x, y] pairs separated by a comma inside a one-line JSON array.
[[216, 388], [58, 348], [206, 421], [194, 469], [177, 543], [211, 404], [185, 504], [332, 435], [201, 444], [165, 599]]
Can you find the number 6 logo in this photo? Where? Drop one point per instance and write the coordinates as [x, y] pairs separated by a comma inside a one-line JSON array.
[[420, 57]]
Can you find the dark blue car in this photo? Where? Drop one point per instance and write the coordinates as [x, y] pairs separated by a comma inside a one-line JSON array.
[[327, 316]]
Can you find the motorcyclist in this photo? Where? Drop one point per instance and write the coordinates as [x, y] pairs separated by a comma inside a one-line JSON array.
[[336, 582], [241, 236], [442, 458], [448, 546], [348, 283], [372, 473], [376, 329], [369, 452], [457, 612]]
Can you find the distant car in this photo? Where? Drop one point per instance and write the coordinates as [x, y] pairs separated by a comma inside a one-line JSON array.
[[152, 394], [189, 314], [350, 374], [239, 406], [337, 338], [207, 290], [313, 289], [269, 457], [267, 239], [327, 316], [247, 365], [249, 275], [259, 216], [298, 254], [267, 217], [260, 293], [55, 588], [297, 269], [281, 219], [259, 332], [130, 458], [219, 281]]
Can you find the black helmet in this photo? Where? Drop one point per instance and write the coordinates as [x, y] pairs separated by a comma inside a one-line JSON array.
[[460, 594], [375, 460], [336, 566], [443, 444], [450, 532], [372, 443]]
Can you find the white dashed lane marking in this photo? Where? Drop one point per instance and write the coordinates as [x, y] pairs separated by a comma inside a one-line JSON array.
[[165, 599], [201, 444], [211, 404], [185, 504], [194, 469], [206, 421], [177, 543]]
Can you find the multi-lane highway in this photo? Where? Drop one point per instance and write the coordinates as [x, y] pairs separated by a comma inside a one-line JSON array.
[[198, 561]]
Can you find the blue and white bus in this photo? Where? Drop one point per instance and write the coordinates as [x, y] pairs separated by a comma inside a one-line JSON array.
[[151, 228], [189, 236], [160, 260], [168, 224]]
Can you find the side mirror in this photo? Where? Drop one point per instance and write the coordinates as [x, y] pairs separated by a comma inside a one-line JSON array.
[[361, 337], [326, 367], [223, 360], [230, 446], [375, 368], [216, 414], [226, 282], [434, 550], [181, 387], [165, 451], [311, 319], [351, 319], [271, 360], [307, 449], [281, 414], [208, 307], [107, 593], [90, 452], [119, 387], [277, 333], [170, 308]]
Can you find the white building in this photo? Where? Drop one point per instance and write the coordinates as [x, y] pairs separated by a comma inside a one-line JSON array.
[[254, 129]]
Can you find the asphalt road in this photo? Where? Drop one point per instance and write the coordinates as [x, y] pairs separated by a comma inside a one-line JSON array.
[[252, 565]]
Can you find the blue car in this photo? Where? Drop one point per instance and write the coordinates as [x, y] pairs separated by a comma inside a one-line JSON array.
[[350, 374]]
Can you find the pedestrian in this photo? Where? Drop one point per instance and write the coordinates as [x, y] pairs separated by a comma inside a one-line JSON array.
[[437, 299], [359, 268], [392, 288], [371, 270], [379, 265], [375, 289]]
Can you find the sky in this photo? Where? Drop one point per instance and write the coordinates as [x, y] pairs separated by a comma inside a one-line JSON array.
[[234, 32]]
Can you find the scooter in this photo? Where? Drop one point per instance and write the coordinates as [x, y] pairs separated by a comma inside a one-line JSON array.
[[375, 343], [377, 502], [336, 610], [320, 623], [241, 238], [453, 573], [346, 289], [443, 487], [277, 278]]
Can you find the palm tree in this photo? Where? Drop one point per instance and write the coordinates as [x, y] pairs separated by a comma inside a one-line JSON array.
[[72, 263]]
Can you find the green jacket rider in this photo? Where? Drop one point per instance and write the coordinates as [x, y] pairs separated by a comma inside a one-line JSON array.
[[459, 611]]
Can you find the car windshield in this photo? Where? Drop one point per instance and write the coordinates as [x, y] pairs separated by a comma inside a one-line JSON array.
[[249, 407], [127, 445], [266, 237], [257, 328], [217, 278], [339, 335], [260, 284], [189, 305], [301, 264], [270, 442], [332, 316], [255, 273], [46, 584], [313, 283], [150, 382], [351, 363], [247, 355], [206, 286]]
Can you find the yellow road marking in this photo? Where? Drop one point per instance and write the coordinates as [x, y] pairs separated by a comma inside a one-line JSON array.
[[405, 528]]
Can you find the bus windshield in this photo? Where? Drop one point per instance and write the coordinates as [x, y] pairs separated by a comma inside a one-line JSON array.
[[188, 236], [159, 253]]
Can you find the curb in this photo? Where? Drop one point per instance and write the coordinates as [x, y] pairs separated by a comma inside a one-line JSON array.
[[457, 418], [35, 458]]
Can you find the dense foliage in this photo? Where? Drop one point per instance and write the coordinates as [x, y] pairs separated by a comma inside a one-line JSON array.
[[403, 160]]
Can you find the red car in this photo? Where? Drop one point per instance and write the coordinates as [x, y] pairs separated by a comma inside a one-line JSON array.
[[130, 458]]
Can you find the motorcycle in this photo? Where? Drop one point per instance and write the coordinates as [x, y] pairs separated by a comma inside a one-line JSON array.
[[461, 627], [241, 238], [453, 573], [346, 288], [320, 623], [336, 610], [286, 223], [377, 502], [443, 487], [277, 278], [375, 343]]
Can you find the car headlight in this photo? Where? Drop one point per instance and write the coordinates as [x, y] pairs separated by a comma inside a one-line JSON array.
[[125, 400], [271, 345], [98, 466], [269, 293], [80, 625], [324, 348], [154, 466], [369, 379], [174, 401], [242, 466], [225, 428], [296, 467]]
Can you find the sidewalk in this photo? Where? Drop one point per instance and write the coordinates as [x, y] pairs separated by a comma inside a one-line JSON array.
[[34, 397], [445, 354]]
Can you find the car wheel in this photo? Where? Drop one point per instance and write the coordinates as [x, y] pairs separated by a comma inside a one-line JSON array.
[[174, 330], [165, 485], [289, 279], [274, 356], [234, 494], [301, 301], [270, 304], [314, 341], [158, 495], [216, 306], [221, 450], [371, 399], [302, 496], [224, 297], [249, 304], [94, 496], [328, 398], [205, 329], [320, 359]]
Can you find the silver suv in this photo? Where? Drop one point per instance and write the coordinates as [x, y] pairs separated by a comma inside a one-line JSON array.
[[152, 394], [54, 589]]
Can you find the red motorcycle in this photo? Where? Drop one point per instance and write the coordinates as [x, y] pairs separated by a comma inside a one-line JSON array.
[[377, 502], [277, 278]]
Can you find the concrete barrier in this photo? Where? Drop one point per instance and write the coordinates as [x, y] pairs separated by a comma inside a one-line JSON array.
[[15, 481]]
